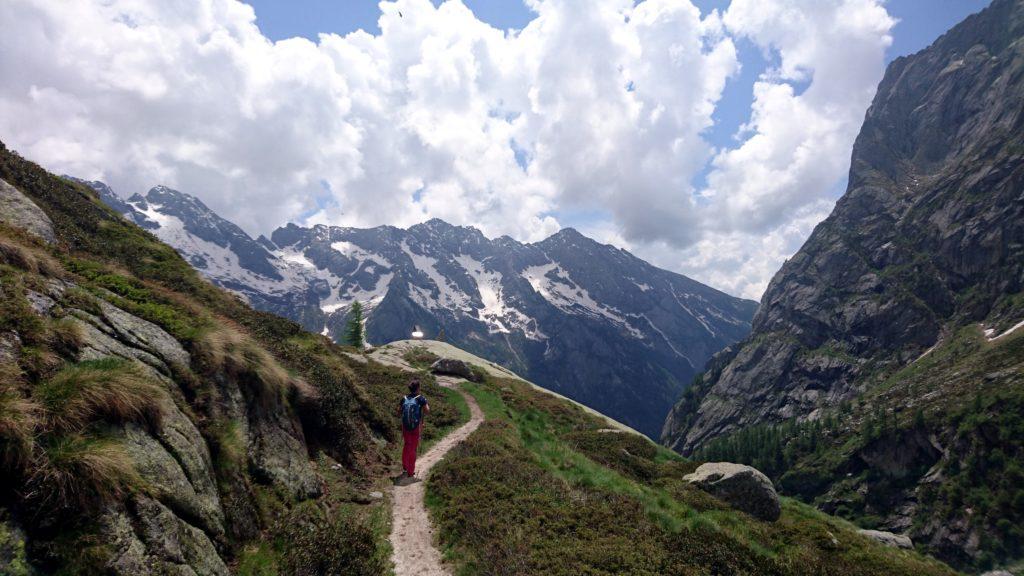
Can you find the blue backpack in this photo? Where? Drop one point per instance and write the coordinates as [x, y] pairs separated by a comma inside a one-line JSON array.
[[411, 412]]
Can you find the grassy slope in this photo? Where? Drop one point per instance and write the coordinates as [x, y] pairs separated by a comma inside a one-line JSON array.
[[52, 437], [545, 488]]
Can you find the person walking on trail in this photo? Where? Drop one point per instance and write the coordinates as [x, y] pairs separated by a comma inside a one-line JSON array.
[[412, 409]]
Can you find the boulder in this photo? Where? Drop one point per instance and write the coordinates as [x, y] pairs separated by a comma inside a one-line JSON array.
[[19, 211], [888, 538], [453, 367], [742, 487]]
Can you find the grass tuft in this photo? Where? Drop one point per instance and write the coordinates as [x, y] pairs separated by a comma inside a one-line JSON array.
[[74, 470], [29, 259], [18, 419], [228, 349], [112, 389]]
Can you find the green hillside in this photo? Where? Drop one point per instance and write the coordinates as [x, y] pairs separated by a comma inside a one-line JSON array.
[[545, 488], [286, 432], [867, 457]]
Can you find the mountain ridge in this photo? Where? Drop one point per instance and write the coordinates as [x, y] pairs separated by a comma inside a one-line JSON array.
[[541, 307]]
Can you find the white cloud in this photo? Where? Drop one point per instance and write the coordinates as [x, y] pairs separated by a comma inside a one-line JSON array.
[[607, 103]]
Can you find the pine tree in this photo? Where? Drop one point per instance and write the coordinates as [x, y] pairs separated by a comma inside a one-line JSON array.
[[354, 329]]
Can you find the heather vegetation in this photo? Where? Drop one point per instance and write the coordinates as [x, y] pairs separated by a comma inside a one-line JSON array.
[[545, 488]]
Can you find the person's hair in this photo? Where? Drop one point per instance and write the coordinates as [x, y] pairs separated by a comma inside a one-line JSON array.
[[414, 386]]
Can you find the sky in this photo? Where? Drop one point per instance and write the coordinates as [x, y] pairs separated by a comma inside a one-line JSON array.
[[708, 137]]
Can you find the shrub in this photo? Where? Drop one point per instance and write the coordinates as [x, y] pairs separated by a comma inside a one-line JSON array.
[[324, 545], [110, 388], [420, 357]]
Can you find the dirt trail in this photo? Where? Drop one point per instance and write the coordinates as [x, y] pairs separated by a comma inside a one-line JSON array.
[[412, 535]]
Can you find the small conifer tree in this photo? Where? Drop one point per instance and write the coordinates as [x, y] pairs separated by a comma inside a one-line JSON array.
[[354, 335]]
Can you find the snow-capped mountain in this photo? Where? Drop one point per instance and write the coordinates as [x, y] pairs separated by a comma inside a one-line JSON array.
[[590, 321]]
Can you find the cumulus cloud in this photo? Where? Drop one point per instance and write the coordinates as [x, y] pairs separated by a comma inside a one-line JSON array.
[[596, 106]]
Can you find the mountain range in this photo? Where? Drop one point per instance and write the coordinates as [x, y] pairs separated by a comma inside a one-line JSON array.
[[891, 343], [581, 318]]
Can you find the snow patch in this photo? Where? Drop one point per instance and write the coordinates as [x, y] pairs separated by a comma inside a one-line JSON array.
[[1014, 328], [354, 252], [449, 296], [499, 316], [556, 286]]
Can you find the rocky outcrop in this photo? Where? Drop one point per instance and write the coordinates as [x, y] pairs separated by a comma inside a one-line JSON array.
[[18, 211], [452, 367], [175, 526], [742, 487], [889, 539], [150, 539]]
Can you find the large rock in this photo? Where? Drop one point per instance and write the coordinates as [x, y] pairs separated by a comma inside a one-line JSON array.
[[453, 367], [18, 211], [150, 539], [888, 538], [742, 487], [176, 463]]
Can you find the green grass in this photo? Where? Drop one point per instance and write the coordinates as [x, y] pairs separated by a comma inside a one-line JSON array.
[[543, 488]]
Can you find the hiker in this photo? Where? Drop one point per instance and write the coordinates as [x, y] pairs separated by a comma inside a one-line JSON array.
[[412, 408]]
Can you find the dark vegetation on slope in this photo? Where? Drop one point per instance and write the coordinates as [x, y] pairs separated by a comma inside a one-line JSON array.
[[863, 459], [544, 488], [292, 431]]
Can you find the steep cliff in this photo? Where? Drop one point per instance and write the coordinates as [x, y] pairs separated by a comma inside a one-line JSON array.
[[913, 282]]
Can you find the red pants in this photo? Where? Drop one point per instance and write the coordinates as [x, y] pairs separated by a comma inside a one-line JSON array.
[[411, 439]]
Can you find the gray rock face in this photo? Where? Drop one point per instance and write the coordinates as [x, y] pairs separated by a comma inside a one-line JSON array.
[[889, 539], [929, 232], [453, 367], [151, 539], [742, 487], [10, 348], [18, 211], [172, 528]]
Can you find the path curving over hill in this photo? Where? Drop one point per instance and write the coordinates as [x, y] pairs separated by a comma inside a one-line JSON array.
[[412, 535]]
